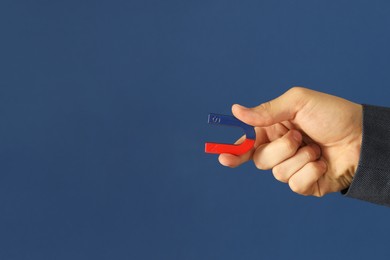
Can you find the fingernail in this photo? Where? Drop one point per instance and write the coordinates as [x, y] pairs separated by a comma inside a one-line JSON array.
[[297, 135]]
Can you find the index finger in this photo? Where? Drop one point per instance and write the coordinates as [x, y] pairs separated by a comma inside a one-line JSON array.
[[231, 160], [263, 135]]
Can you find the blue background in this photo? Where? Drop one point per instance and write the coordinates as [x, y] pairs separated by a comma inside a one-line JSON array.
[[103, 111]]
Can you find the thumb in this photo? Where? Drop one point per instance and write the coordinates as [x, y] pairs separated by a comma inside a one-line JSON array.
[[283, 108]]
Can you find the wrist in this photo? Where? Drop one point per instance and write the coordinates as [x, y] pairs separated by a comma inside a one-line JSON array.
[[355, 148]]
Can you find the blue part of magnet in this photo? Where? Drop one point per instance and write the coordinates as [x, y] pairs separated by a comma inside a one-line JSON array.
[[226, 120]]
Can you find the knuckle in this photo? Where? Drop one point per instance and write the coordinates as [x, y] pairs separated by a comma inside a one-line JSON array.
[[297, 90], [312, 166], [319, 195], [265, 106], [277, 171], [296, 187], [298, 95], [310, 154], [259, 164], [290, 146], [265, 109], [259, 160]]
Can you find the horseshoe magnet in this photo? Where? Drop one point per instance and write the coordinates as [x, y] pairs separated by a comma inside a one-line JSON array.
[[236, 149]]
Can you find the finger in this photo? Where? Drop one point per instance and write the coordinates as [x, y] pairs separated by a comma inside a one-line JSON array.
[[263, 135], [268, 155], [284, 170], [276, 131], [232, 161], [283, 108], [304, 181]]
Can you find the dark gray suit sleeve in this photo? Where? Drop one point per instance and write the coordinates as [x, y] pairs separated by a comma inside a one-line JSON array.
[[372, 178]]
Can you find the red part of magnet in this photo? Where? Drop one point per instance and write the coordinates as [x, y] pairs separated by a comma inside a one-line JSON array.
[[236, 149]]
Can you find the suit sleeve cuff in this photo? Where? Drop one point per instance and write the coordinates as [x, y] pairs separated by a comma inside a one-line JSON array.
[[372, 178]]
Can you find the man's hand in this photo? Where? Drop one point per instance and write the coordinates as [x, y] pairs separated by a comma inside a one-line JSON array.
[[309, 139]]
